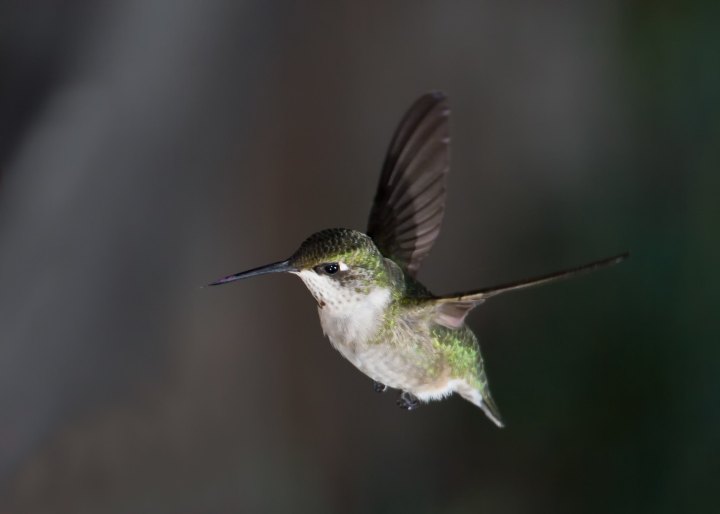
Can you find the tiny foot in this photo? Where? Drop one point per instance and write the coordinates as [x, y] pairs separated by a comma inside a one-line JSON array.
[[408, 401], [378, 387]]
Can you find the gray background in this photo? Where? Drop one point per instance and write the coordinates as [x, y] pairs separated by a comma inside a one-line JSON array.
[[148, 147]]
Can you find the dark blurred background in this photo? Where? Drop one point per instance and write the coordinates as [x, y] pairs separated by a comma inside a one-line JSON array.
[[150, 146]]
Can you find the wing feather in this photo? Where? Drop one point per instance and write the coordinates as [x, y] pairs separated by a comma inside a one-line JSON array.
[[410, 200], [451, 310]]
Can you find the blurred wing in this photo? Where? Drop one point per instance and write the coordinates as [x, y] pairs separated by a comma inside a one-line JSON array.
[[410, 199]]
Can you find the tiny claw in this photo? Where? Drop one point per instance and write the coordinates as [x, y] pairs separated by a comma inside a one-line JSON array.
[[378, 387], [408, 401]]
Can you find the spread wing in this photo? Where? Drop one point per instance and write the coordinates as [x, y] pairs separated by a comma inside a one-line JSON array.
[[450, 310], [410, 200]]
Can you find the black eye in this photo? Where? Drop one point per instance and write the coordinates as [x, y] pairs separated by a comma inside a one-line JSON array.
[[331, 268]]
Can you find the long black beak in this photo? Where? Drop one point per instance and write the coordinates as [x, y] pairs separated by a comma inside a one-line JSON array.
[[277, 267]]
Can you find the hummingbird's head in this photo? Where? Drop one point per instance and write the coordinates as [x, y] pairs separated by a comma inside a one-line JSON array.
[[338, 264], [333, 263], [340, 250]]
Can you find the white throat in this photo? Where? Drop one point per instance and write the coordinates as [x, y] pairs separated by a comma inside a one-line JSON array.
[[348, 317]]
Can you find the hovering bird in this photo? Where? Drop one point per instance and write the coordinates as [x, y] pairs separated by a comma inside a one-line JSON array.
[[371, 306]]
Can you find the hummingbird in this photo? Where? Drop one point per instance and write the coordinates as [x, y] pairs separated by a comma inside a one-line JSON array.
[[372, 308]]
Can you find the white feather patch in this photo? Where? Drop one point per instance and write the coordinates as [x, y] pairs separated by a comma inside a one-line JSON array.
[[441, 392], [348, 317]]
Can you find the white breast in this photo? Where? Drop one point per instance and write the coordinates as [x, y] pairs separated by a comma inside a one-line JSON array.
[[349, 318]]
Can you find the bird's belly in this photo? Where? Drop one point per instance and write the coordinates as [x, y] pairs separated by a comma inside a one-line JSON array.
[[405, 367], [402, 358], [390, 367]]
